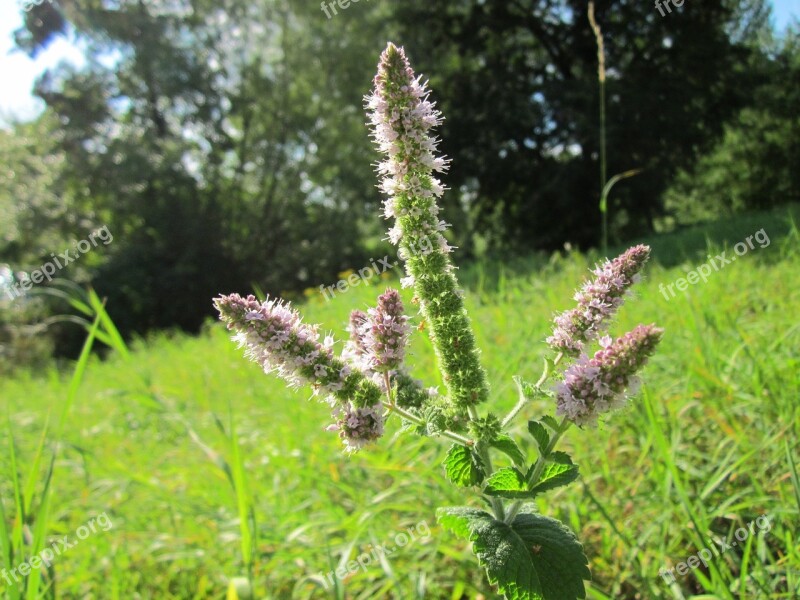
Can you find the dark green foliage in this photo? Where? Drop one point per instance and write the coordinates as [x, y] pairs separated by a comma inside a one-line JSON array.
[[756, 163], [539, 433], [508, 446], [224, 160], [559, 471], [518, 83], [509, 483]]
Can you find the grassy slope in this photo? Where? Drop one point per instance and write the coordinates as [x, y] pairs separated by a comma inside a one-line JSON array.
[[702, 449]]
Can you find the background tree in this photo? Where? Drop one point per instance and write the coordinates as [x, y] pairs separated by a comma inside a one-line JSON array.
[[756, 164], [518, 82], [224, 144]]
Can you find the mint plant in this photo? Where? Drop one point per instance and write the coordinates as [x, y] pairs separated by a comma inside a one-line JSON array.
[[526, 555]]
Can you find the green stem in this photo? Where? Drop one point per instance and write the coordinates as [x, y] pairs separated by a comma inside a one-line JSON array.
[[539, 467], [483, 452], [464, 441], [523, 400], [387, 381]]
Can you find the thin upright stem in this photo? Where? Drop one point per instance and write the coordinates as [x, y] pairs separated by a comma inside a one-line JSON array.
[[483, 452], [523, 399], [387, 381], [601, 76], [539, 467]]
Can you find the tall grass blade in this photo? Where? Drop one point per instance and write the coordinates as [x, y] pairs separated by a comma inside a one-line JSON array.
[[112, 336], [77, 375], [6, 546], [33, 473], [242, 499], [40, 533], [793, 471]]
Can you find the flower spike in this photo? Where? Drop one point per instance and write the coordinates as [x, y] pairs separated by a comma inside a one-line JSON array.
[[597, 385], [402, 117], [598, 300], [385, 333], [276, 338]]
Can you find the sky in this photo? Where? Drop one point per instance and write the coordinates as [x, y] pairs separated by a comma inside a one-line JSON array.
[[19, 72]]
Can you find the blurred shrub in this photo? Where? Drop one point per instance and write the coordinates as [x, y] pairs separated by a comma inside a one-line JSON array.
[[23, 342], [755, 164]]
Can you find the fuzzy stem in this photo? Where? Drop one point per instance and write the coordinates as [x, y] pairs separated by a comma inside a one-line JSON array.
[[523, 400], [483, 452], [497, 503], [464, 441], [388, 383]]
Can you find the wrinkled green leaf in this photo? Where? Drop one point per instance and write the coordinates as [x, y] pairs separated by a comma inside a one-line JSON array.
[[539, 433], [559, 471], [534, 558], [551, 422], [463, 467], [507, 483]]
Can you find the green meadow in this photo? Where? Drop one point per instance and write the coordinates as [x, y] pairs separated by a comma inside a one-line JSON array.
[[210, 470]]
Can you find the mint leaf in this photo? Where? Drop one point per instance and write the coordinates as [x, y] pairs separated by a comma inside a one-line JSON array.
[[504, 555], [556, 554], [463, 467], [539, 433], [508, 483], [551, 422], [526, 389], [559, 470], [509, 447], [458, 519], [535, 558]]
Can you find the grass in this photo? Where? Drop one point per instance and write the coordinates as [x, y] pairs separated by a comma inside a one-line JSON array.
[[210, 470]]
